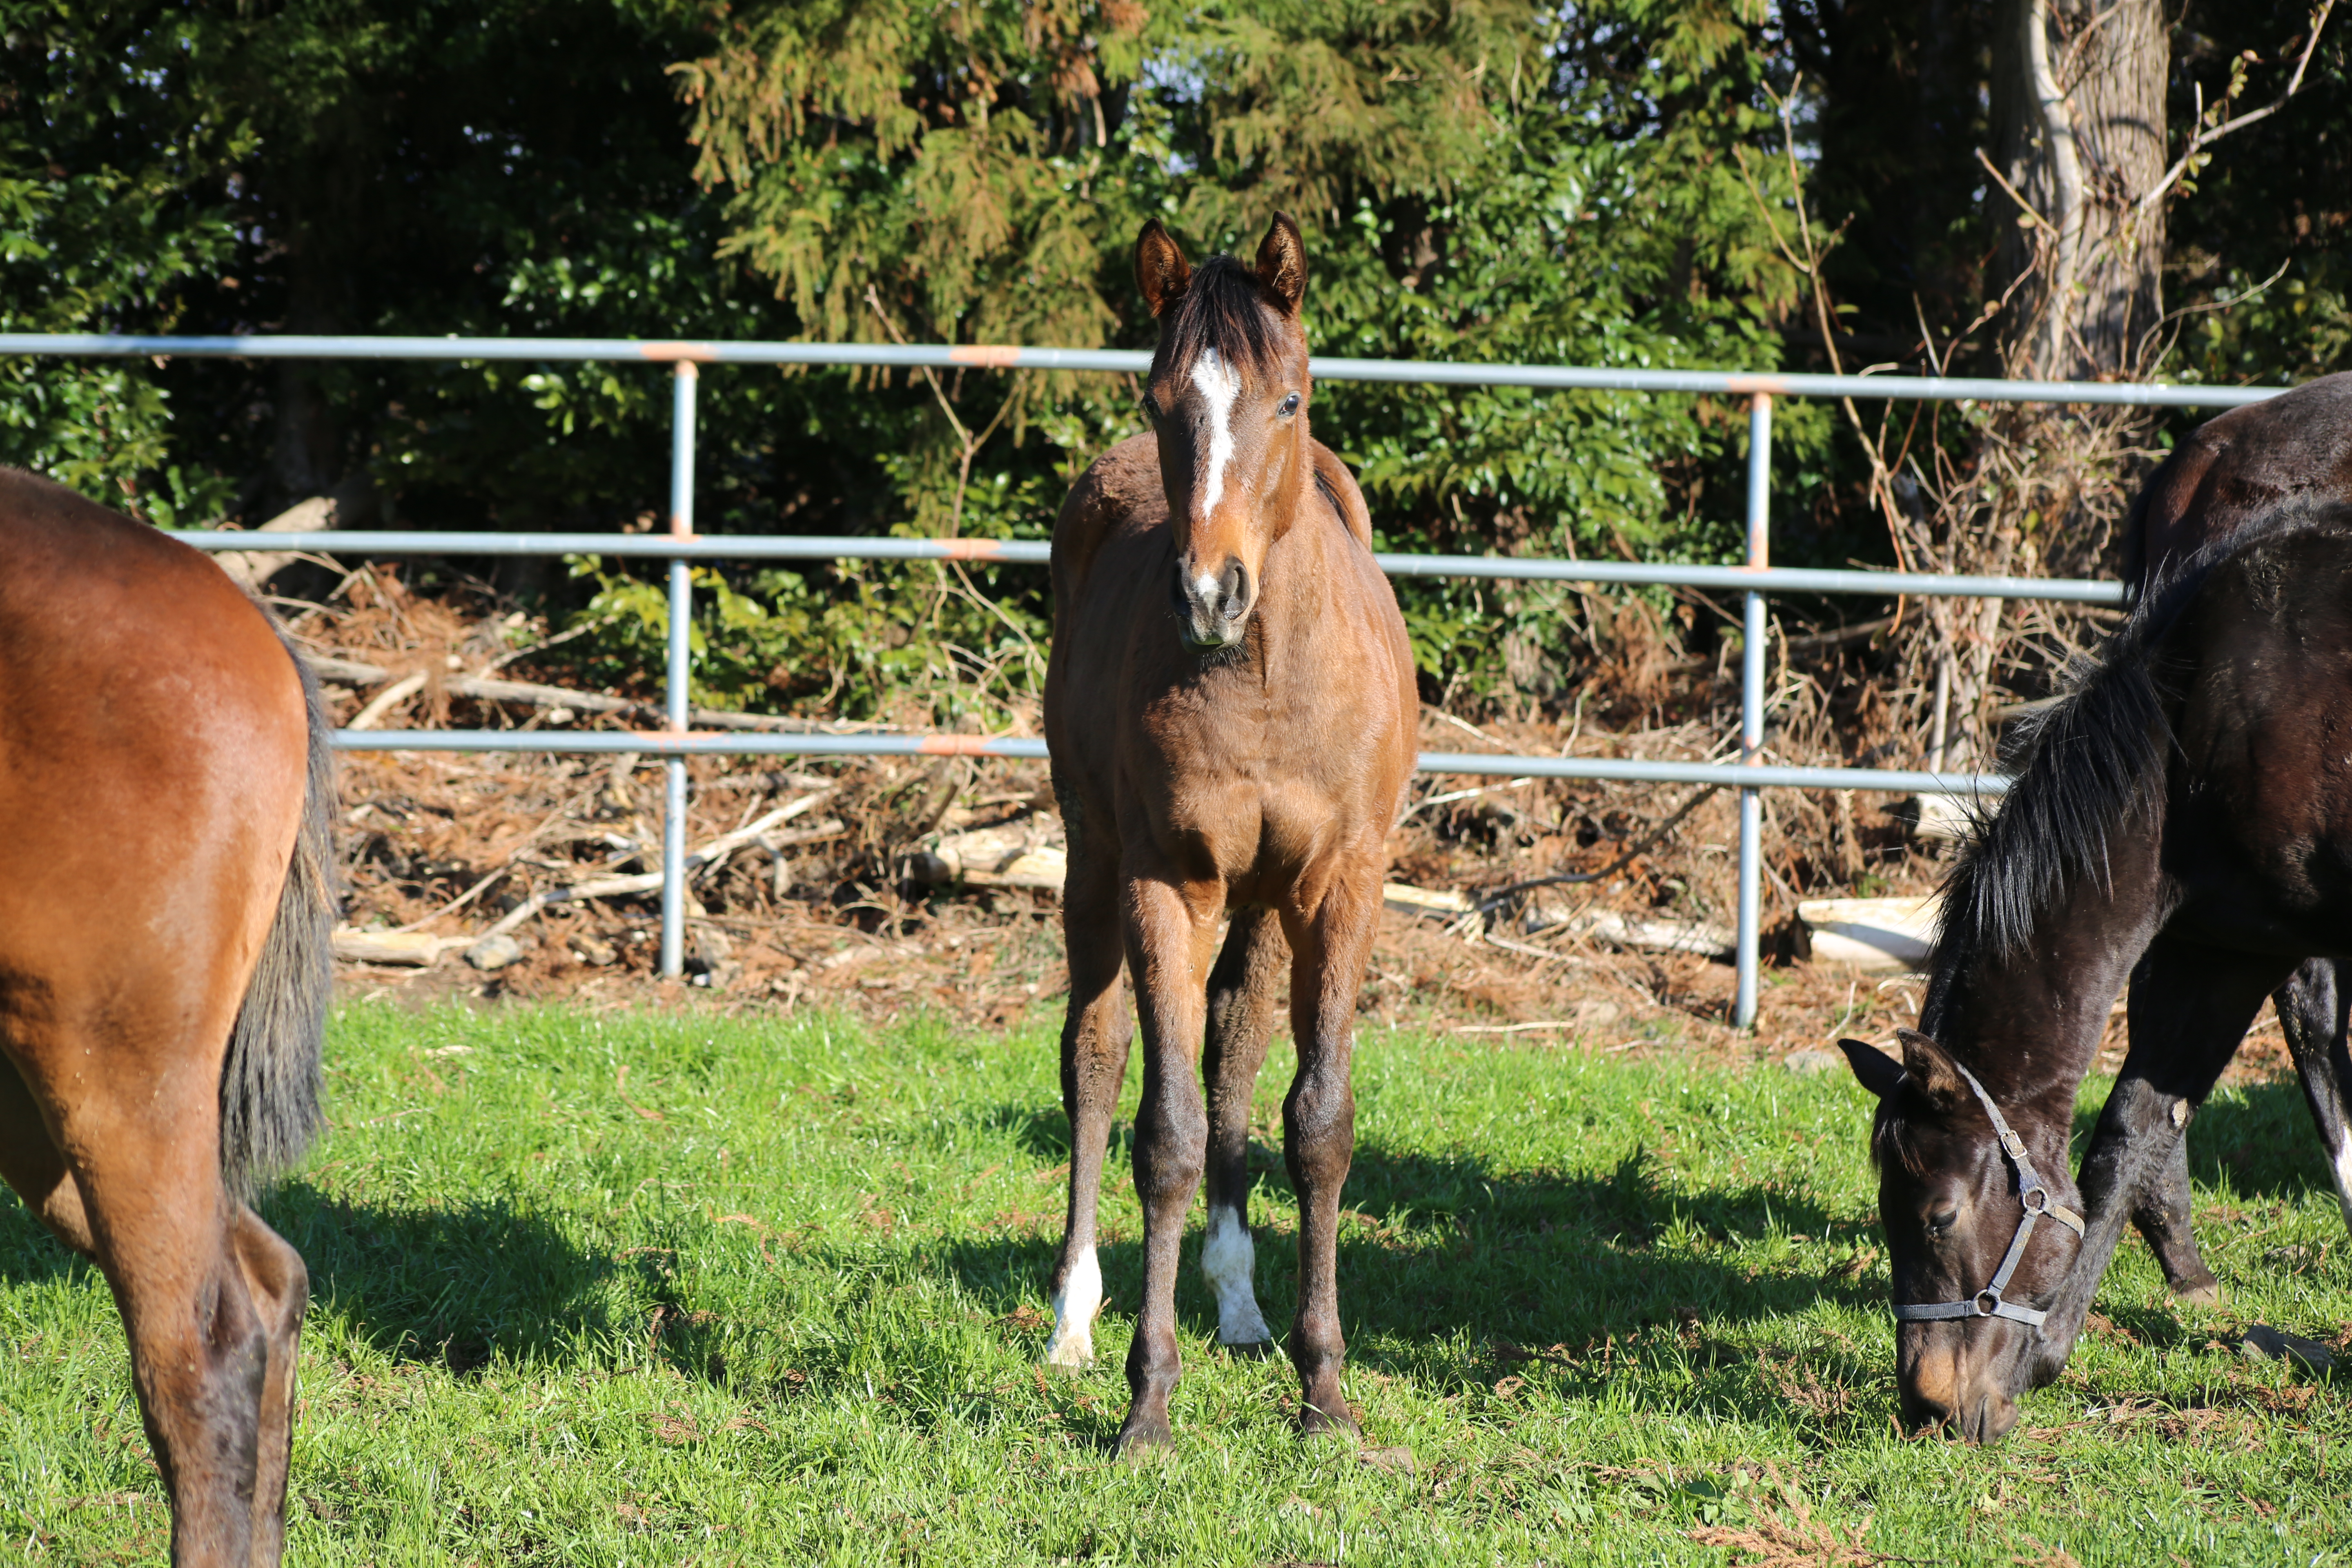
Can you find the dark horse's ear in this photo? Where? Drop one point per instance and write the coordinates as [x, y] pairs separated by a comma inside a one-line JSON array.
[[1161, 270], [1876, 1071], [1931, 1071], [1282, 264]]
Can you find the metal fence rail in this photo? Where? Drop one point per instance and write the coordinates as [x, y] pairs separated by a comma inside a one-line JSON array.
[[1755, 579]]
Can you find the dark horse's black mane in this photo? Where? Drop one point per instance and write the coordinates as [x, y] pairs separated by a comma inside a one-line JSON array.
[[1223, 308], [2083, 769]]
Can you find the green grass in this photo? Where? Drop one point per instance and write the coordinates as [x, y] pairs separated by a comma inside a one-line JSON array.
[[774, 1296]]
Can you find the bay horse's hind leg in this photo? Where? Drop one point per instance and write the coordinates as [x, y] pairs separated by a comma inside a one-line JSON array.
[[1094, 1036], [211, 1300], [1329, 948], [2312, 1008], [1240, 1016]]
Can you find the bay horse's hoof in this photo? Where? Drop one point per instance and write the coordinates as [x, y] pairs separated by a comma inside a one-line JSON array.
[[1248, 1350], [2206, 1292]]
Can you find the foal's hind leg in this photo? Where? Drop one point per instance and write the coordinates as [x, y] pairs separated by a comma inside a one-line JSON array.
[[2312, 1008], [1094, 1035], [1331, 944], [1241, 1016]]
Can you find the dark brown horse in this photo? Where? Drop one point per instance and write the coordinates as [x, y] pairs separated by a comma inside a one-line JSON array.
[[2296, 447], [2183, 818], [164, 918], [1231, 710]]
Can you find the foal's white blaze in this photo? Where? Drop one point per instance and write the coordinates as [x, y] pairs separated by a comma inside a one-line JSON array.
[[1219, 386], [1075, 1306], [1229, 1260]]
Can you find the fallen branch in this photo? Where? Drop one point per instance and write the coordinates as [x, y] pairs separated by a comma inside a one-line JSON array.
[[710, 856], [484, 688]]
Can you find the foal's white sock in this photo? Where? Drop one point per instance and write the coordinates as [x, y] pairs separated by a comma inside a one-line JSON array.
[[1228, 1261], [1075, 1306]]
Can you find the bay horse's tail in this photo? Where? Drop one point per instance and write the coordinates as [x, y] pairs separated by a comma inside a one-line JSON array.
[[269, 1084]]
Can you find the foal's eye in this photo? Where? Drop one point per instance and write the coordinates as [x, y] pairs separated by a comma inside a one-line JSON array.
[[1289, 406], [1940, 1223]]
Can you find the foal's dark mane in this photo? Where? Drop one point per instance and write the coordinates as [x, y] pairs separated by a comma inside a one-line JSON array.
[[1225, 308], [2084, 769]]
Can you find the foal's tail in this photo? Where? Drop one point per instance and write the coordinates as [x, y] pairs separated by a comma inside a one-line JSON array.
[[269, 1084]]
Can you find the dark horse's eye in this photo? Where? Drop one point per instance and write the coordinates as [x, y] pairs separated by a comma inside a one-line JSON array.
[[1289, 406], [1941, 1223]]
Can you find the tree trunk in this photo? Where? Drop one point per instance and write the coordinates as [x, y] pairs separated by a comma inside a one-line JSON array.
[[2078, 121]]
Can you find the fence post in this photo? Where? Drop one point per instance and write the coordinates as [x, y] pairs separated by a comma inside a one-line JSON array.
[[675, 690], [1751, 701]]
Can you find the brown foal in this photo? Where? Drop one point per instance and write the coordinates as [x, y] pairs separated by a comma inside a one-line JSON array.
[[164, 920], [1231, 708]]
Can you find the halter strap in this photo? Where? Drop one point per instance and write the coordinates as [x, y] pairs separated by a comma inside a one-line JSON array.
[[2034, 1199]]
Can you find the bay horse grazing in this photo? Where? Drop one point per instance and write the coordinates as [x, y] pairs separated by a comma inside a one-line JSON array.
[[1231, 710], [2183, 817], [164, 918]]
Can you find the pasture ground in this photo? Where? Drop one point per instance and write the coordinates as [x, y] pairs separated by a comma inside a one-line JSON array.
[[683, 1287]]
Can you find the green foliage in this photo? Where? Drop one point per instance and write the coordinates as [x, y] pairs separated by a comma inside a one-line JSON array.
[[110, 206]]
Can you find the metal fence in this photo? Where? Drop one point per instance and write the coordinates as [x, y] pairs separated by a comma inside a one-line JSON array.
[[1756, 579]]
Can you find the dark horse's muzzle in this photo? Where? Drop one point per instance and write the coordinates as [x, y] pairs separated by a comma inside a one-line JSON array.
[[1209, 609]]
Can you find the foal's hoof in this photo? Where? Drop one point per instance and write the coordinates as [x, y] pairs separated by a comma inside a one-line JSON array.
[[1143, 1437], [2205, 1292], [1248, 1350]]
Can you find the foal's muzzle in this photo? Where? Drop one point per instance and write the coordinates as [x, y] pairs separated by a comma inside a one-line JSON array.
[[1211, 607]]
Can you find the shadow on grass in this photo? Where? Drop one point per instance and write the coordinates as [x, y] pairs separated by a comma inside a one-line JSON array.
[[30, 1255], [451, 1286], [1433, 1246]]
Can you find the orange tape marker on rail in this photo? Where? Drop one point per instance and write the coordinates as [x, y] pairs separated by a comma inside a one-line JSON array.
[[988, 356]]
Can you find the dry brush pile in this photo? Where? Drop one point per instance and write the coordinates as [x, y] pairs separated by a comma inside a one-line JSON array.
[[1583, 911]]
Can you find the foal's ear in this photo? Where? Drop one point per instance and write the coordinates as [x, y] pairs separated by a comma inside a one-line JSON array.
[[1161, 270], [1282, 264], [1874, 1069], [1930, 1070]]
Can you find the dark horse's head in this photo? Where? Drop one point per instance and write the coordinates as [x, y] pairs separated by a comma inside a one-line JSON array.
[[1950, 1198], [1228, 399]]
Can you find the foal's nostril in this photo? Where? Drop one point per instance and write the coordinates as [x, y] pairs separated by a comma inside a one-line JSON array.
[[1234, 589]]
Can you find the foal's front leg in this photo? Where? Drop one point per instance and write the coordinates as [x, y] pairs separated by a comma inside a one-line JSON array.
[[1094, 1061], [1330, 947], [1170, 930], [1241, 1016]]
